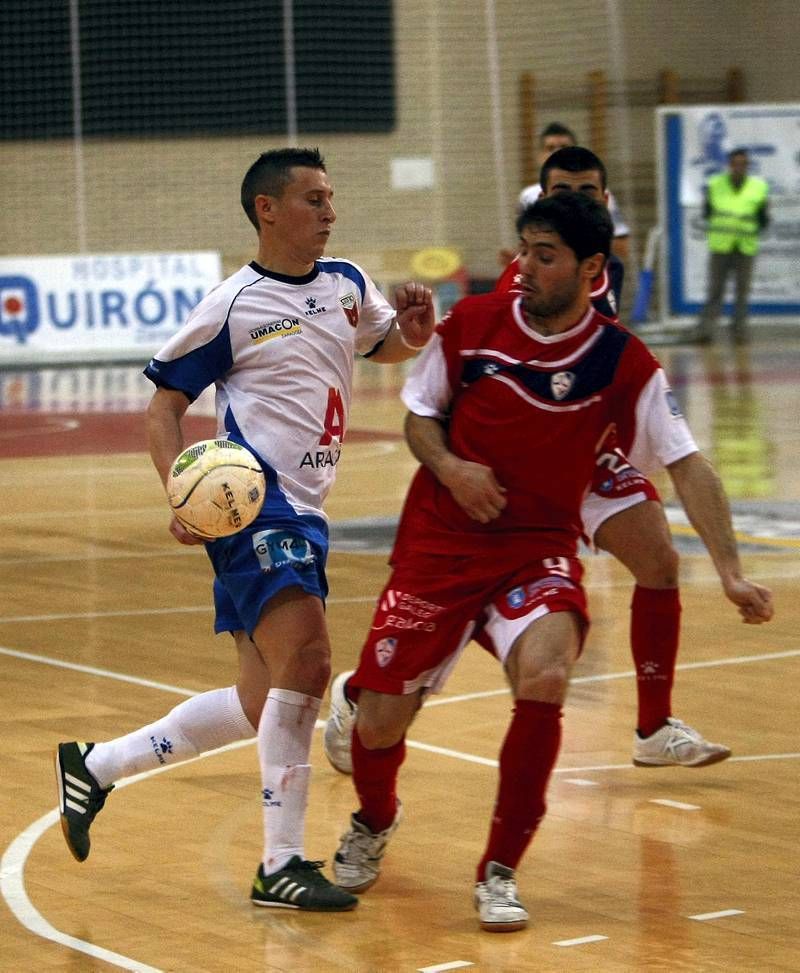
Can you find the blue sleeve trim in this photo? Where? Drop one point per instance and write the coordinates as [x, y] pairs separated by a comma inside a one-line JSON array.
[[346, 270], [196, 370]]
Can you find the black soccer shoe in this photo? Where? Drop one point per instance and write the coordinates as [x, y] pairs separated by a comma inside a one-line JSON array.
[[300, 885], [80, 797]]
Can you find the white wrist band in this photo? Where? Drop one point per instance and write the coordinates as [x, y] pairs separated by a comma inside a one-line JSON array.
[[406, 343]]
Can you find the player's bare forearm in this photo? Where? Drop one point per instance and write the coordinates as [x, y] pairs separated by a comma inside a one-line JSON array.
[[164, 435], [413, 326], [472, 485], [703, 497], [165, 439], [427, 440]]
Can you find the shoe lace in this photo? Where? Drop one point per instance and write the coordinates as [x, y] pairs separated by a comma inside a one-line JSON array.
[[314, 876], [684, 727], [502, 891], [680, 739], [359, 845], [96, 800]]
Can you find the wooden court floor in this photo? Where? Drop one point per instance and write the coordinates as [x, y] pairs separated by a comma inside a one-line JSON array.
[[105, 624]]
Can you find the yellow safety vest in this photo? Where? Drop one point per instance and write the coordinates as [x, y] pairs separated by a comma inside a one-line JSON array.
[[733, 223]]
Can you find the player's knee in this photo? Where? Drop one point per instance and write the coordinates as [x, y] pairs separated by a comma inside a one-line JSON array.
[[547, 683], [660, 570], [382, 720], [375, 737], [311, 667]]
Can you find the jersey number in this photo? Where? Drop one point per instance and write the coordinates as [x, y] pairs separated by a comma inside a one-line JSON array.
[[615, 461], [558, 565], [334, 418]]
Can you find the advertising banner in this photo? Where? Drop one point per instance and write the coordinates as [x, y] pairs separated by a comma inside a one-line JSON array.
[[97, 307], [693, 144]]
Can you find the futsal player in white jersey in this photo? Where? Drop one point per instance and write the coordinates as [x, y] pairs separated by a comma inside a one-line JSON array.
[[278, 340]]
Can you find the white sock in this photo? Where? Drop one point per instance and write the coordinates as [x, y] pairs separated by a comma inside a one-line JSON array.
[[284, 744], [200, 723]]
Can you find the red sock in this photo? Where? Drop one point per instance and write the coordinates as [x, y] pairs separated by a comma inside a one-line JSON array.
[[655, 631], [526, 760], [375, 779]]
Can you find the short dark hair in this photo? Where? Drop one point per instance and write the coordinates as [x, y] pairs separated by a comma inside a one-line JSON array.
[[581, 222], [270, 174], [556, 128], [737, 151], [572, 158]]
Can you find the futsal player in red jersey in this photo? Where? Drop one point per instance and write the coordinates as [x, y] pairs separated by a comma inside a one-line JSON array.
[[628, 521], [507, 406]]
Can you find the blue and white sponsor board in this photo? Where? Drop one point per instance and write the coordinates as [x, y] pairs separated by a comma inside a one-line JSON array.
[[98, 307], [692, 145]]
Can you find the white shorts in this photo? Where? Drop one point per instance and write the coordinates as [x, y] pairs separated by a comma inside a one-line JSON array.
[[616, 485]]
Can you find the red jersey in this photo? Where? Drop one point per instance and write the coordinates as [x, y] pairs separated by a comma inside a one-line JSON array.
[[534, 408]]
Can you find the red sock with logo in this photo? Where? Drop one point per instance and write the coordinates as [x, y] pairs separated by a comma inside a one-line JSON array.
[[375, 779], [527, 759], [655, 633]]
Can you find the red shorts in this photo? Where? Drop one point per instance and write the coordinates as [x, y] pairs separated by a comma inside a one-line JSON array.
[[433, 605], [616, 485]]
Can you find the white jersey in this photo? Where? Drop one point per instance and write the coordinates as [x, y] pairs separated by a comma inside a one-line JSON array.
[[280, 351], [530, 194]]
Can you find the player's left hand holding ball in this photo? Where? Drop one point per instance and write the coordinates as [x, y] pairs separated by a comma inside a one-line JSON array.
[[180, 533]]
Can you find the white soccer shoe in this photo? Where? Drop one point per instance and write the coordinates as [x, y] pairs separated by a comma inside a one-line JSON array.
[[497, 903], [676, 745], [357, 862], [337, 739]]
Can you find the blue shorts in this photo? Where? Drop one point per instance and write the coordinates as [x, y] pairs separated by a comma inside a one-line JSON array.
[[251, 567]]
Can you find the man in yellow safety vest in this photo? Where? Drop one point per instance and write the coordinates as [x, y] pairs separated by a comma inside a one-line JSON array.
[[736, 211]]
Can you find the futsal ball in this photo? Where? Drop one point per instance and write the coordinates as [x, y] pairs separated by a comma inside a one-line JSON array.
[[215, 488]]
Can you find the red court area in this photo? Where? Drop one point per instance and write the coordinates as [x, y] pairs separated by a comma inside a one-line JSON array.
[[43, 434], [78, 434]]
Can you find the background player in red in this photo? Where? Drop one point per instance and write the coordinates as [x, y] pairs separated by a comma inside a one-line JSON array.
[[555, 136], [486, 544]]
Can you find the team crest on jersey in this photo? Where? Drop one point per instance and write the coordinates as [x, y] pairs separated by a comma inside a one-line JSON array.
[[350, 309], [384, 651], [491, 368], [561, 384]]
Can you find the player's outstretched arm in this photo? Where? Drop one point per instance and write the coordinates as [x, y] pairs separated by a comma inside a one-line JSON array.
[[472, 485], [165, 439], [703, 497]]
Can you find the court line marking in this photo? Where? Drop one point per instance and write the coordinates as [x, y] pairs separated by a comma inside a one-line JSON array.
[[138, 612], [458, 964], [627, 674], [463, 697], [580, 941], [12, 881], [343, 600], [12, 885], [779, 543], [676, 804], [703, 916]]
